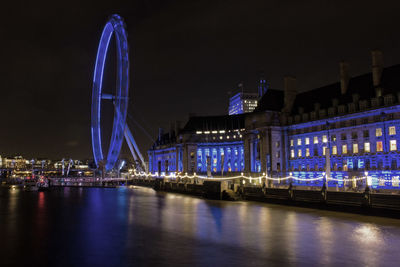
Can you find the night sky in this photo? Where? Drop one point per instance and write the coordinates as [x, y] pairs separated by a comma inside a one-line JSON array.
[[186, 56]]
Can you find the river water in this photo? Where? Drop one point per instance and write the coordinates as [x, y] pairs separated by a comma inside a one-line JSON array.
[[133, 226]]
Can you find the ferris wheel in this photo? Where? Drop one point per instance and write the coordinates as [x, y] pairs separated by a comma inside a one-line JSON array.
[[120, 130]]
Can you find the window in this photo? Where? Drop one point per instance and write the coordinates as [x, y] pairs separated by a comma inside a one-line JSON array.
[[324, 151], [277, 144], [299, 153], [392, 130], [343, 136], [344, 149], [292, 153], [355, 148], [354, 135], [367, 147], [307, 141], [307, 152], [393, 145], [315, 151], [324, 139], [334, 150], [291, 142], [299, 142], [315, 139], [366, 133], [278, 154], [333, 138], [379, 146], [378, 132]]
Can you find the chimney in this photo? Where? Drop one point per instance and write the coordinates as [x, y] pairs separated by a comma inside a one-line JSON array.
[[377, 66], [289, 93], [344, 76]]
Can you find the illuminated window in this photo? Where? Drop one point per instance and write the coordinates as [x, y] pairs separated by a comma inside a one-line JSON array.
[[324, 151], [324, 139], [307, 141], [307, 152], [393, 145], [292, 153], [345, 167], [299, 142], [355, 148], [344, 149], [334, 150], [277, 144], [333, 138], [291, 142], [315, 139], [392, 130], [367, 147], [299, 153], [378, 132], [379, 146]]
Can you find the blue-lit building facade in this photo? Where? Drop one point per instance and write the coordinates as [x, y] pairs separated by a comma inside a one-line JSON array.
[[353, 124], [205, 144]]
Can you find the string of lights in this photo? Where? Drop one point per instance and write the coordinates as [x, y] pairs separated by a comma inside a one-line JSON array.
[[263, 176]]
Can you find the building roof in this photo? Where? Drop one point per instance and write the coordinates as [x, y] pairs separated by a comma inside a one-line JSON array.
[[361, 85], [214, 123], [271, 100]]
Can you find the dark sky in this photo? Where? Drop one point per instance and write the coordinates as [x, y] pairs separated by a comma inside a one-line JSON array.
[[185, 57]]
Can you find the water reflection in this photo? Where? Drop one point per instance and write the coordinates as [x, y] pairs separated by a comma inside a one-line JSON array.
[[141, 227]]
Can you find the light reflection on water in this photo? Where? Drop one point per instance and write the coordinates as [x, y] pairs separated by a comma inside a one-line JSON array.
[[141, 227]]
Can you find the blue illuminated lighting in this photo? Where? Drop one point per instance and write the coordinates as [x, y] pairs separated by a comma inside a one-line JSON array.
[[114, 25], [380, 179]]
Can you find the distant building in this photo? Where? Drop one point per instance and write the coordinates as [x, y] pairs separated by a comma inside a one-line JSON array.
[[242, 103]]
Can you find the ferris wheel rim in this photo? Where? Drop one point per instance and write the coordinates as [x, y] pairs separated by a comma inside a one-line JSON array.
[[115, 25]]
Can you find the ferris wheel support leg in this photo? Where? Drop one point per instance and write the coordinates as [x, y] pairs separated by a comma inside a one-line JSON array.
[[133, 147]]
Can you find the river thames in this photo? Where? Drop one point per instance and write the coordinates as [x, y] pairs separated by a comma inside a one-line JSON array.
[[130, 226]]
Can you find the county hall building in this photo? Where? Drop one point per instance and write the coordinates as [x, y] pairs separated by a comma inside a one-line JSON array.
[[350, 127]]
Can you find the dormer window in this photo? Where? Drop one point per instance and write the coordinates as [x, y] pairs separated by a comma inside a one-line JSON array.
[[374, 102], [352, 107], [388, 100], [331, 111], [363, 104], [341, 109], [313, 115]]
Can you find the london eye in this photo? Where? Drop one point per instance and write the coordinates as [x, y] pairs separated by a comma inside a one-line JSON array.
[[115, 25]]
